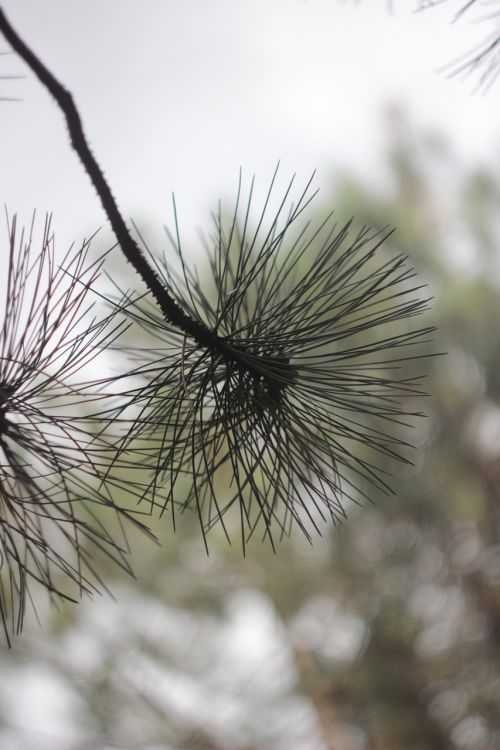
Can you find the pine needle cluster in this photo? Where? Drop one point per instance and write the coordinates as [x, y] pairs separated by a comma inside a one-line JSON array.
[[53, 504], [287, 413], [482, 61]]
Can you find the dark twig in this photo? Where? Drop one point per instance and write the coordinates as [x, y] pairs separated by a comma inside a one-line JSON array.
[[172, 312], [129, 247]]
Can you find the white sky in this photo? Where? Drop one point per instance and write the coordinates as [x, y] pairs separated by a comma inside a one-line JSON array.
[[176, 95]]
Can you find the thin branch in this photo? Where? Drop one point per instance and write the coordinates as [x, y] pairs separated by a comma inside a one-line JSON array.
[[129, 247]]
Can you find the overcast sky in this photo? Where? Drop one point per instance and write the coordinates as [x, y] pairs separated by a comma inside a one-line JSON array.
[[176, 95]]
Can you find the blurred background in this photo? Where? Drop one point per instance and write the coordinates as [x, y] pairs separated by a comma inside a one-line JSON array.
[[384, 634]]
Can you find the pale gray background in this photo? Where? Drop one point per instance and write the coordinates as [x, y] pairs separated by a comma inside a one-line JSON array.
[[176, 95]]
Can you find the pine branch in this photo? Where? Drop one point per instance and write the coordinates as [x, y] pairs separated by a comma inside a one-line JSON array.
[[289, 382]]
